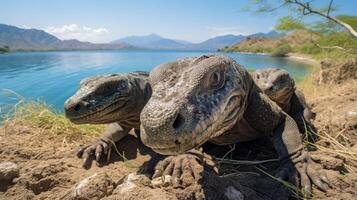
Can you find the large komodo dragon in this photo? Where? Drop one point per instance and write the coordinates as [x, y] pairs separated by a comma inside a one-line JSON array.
[[212, 98], [116, 100], [280, 87]]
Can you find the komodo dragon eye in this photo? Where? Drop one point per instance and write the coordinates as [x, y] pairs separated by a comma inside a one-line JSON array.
[[122, 84], [106, 90], [216, 79]]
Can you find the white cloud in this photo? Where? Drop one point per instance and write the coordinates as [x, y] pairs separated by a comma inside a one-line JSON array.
[[74, 31], [218, 31]]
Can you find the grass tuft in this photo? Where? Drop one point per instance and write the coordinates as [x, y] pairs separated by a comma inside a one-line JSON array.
[[39, 116]]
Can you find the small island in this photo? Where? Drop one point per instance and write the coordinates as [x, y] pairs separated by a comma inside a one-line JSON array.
[[5, 49]]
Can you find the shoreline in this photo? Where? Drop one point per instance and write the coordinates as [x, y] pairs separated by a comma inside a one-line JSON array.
[[246, 52], [303, 58], [291, 56]]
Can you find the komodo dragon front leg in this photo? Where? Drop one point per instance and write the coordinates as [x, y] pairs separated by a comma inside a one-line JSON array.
[[113, 133], [288, 144]]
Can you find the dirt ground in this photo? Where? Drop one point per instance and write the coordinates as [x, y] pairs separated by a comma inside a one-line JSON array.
[[49, 169]]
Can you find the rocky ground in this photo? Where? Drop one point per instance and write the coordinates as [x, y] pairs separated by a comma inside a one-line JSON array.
[[37, 164]]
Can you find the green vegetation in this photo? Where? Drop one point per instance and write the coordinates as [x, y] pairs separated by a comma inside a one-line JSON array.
[[253, 49], [281, 50], [4, 49]]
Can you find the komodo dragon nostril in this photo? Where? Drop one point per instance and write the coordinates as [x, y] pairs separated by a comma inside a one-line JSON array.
[[179, 122], [77, 107]]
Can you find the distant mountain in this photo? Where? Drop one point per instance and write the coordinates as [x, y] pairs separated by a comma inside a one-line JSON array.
[[78, 45], [154, 41], [218, 42], [271, 34], [34, 39], [139, 40], [17, 38]]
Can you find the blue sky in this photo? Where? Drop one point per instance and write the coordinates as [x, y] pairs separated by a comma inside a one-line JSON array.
[[107, 20]]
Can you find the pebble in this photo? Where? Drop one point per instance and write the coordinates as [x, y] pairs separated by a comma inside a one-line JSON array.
[[8, 171]]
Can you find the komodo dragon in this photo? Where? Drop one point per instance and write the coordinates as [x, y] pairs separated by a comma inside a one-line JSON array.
[[116, 100], [212, 98], [279, 86]]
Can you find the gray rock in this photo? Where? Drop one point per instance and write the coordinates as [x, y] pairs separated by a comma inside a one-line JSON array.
[[139, 187], [97, 186], [8, 171]]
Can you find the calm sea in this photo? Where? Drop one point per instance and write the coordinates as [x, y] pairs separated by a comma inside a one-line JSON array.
[[54, 76]]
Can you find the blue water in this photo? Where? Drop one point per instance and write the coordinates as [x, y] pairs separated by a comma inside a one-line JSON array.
[[54, 76]]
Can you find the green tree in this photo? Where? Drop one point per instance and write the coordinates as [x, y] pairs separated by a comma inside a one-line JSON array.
[[302, 8], [281, 50], [288, 23]]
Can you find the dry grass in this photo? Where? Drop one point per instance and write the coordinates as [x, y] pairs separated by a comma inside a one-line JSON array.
[[329, 130], [309, 84], [39, 116]]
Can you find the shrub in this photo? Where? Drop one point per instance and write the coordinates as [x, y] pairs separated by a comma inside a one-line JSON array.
[[281, 50]]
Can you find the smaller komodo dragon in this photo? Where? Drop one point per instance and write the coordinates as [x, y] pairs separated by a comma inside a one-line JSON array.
[[116, 100], [280, 87], [213, 98]]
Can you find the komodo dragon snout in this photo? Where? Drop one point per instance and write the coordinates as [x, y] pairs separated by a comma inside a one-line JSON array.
[[102, 99], [199, 98]]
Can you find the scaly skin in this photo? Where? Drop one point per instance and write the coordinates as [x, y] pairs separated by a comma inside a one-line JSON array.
[[116, 100], [279, 86], [212, 98]]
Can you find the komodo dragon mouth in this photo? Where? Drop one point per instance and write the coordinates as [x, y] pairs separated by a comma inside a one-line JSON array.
[[100, 112], [194, 100]]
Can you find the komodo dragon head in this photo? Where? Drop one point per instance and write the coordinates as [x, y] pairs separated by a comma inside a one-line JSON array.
[[194, 100], [276, 83], [109, 98]]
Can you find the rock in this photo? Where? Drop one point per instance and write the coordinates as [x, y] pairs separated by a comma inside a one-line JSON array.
[[131, 182], [139, 187], [351, 118], [8, 171], [97, 186], [161, 181]]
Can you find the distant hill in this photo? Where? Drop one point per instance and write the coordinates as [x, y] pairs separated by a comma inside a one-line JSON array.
[[271, 34], [34, 39], [261, 44], [154, 41], [17, 38], [218, 42]]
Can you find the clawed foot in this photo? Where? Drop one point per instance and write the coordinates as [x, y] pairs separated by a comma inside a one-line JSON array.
[[303, 168], [182, 170], [99, 150]]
